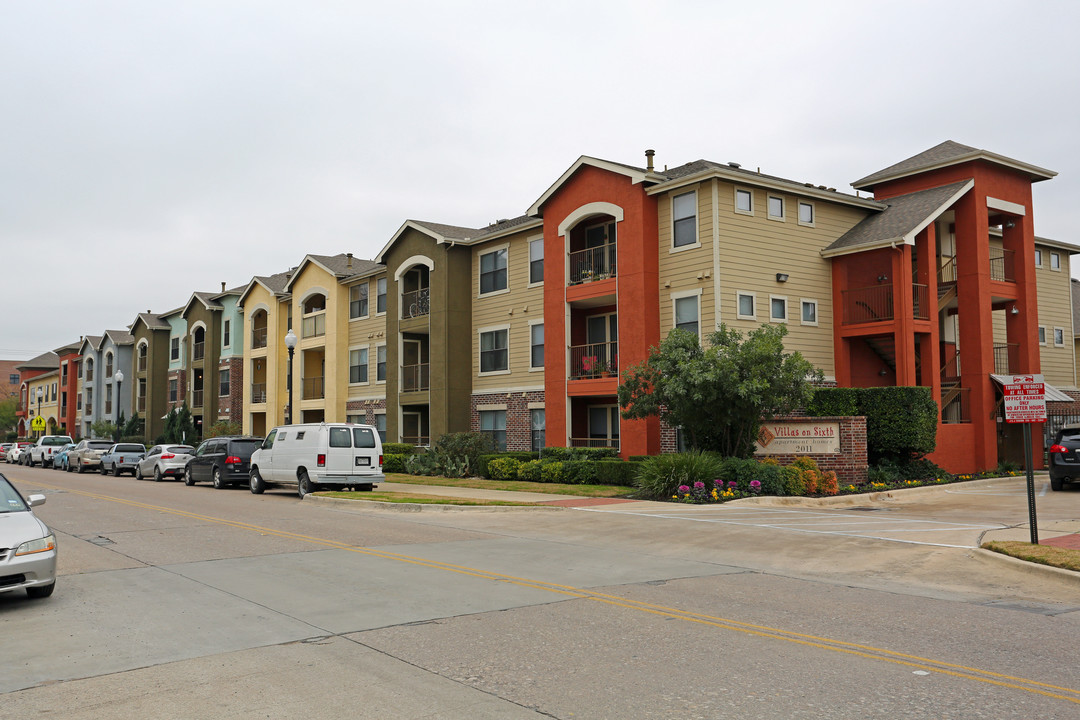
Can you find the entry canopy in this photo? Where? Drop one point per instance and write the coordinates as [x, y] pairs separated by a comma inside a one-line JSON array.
[[1051, 393]]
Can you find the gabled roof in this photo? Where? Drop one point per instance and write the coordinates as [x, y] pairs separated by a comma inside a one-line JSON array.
[[946, 154], [119, 337], [45, 361], [152, 321], [458, 235], [92, 341], [273, 284], [904, 217], [636, 175], [343, 266], [207, 300], [69, 349]]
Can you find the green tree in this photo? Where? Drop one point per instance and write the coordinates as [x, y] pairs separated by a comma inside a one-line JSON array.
[[104, 429], [7, 414], [719, 393], [223, 427], [179, 427]]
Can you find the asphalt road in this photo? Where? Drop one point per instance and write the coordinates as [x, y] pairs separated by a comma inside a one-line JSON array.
[[196, 603]]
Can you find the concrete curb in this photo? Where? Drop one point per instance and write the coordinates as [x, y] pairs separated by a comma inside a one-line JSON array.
[[1032, 568], [862, 498], [426, 507]]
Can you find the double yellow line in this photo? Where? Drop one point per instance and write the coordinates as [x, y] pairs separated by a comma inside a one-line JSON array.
[[863, 651]]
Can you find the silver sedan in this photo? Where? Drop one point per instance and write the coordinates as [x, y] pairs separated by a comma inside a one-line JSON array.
[[164, 461], [28, 557]]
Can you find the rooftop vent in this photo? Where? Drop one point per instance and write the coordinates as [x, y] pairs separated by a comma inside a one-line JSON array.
[[649, 154], [734, 165]]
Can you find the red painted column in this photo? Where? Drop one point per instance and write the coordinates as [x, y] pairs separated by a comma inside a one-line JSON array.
[[930, 348], [976, 327], [556, 336], [903, 316], [1023, 327], [841, 345]]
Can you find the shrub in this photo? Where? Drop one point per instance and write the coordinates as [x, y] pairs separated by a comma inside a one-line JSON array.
[[579, 472], [794, 483], [901, 422], [617, 472], [468, 445], [771, 478], [530, 471], [579, 453], [828, 485], [834, 402], [740, 471], [421, 464], [398, 448], [551, 472], [481, 468], [660, 476], [503, 468], [218, 429], [394, 462], [638, 458]]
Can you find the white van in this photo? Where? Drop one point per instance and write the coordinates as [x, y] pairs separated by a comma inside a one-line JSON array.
[[318, 456]]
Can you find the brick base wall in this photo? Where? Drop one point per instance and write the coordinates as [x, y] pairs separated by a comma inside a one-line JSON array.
[[518, 420], [181, 388], [366, 409], [231, 408]]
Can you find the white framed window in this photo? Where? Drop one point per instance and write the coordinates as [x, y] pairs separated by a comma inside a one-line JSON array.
[[806, 213], [536, 345], [744, 201], [776, 208], [223, 382], [493, 271], [745, 305], [380, 296], [358, 301], [536, 261], [777, 308], [684, 220], [687, 310], [358, 366], [1042, 335], [1055, 261], [538, 426], [1059, 337], [226, 334], [1038, 258], [493, 424], [380, 363], [495, 350], [809, 312]]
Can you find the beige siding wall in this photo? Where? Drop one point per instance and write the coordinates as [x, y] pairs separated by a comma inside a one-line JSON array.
[[1055, 311], [687, 270], [367, 332], [515, 308]]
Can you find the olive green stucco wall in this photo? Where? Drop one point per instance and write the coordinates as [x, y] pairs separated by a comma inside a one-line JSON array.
[[197, 312], [157, 378]]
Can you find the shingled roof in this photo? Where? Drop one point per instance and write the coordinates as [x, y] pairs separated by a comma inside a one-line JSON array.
[[905, 216], [943, 155], [44, 361]]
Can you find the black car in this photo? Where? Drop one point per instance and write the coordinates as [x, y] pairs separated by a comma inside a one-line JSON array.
[[222, 460], [1065, 456]]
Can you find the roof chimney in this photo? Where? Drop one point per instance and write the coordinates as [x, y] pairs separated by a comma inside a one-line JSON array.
[[648, 159], [222, 286], [348, 264]]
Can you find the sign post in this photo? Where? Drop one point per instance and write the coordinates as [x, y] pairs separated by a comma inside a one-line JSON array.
[[1025, 402]]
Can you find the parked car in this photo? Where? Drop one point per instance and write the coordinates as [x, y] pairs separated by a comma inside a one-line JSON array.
[[29, 558], [163, 461], [42, 451], [313, 456], [122, 458], [60, 457], [15, 454], [1064, 456], [222, 460], [87, 455], [4, 447]]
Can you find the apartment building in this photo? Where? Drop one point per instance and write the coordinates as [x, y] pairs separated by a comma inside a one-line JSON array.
[[43, 364], [69, 359], [213, 358], [150, 371]]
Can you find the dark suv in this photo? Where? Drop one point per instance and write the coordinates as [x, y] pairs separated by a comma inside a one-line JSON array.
[[1064, 456], [222, 460]]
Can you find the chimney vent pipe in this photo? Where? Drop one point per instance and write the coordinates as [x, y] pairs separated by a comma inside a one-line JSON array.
[[648, 159]]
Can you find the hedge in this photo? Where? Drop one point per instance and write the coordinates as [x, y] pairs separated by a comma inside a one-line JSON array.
[[481, 468], [617, 472], [901, 422], [579, 453], [398, 448], [393, 462]]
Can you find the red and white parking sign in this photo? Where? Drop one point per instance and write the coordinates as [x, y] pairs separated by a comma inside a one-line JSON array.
[[1025, 399]]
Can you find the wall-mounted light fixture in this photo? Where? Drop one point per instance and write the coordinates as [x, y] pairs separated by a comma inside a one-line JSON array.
[[883, 372], [1010, 224], [1014, 311], [883, 278], [781, 277]]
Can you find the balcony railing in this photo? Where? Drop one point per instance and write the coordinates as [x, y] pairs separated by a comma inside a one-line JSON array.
[[108, 408], [198, 350], [596, 263], [416, 303], [415, 377], [258, 392], [955, 405], [142, 363], [314, 388], [196, 398], [595, 442], [1002, 264], [868, 304], [258, 337], [1006, 358], [89, 373], [947, 271], [89, 409], [419, 440], [140, 404], [920, 297], [313, 325], [594, 360]]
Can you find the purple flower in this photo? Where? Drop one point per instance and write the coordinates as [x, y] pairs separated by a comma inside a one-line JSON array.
[[732, 484], [719, 481], [684, 488], [699, 485], [755, 486]]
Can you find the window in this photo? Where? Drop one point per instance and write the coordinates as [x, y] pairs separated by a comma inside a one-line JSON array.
[[380, 295], [493, 351], [684, 219], [1042, 335], [776, 208], [1038, 258], [744, 305], [358, 365], [108, 366], [809, 312], [174, 349], [226, 333], [493, 424], [806, 213], [493, 271], [1055, 261], [13, 379], [380, 425], [537, 422], [536, 261], [778, 309], [340, 437], [686, 314], [358, 301], [1059, 337], [223, 382], [380, 363], [536, 345], [744, 202], [172, 390]]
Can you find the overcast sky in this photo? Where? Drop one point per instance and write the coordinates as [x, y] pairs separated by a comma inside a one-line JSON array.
[[152, 149]]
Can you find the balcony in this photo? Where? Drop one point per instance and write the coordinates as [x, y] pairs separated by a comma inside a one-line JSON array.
[[197, 398], [258, 393], [142, 364], [140, 404], [313, 325], [415, 378], [198, 350], [258, 337], [416, 303], [108, 408], [590, 264], [418, 440], [955, 405], [314, 388], [595, 442], [595, 360], [875, 303], [1002, 264], [1006, 358]]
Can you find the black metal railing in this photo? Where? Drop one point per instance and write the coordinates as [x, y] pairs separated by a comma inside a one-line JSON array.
[[595, 263]]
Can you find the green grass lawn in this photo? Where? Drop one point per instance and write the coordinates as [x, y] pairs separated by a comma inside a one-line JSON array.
[[417, 499], [600, 491], [1042, 554]]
